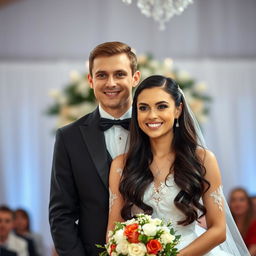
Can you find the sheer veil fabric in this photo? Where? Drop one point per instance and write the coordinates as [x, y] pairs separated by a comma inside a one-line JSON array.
[[234, 244]]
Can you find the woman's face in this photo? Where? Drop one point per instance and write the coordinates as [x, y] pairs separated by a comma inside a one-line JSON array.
[[156, 112], [239, 203]]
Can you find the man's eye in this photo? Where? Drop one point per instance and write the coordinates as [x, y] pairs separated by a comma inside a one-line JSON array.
[[142, 108], [162, 106], [120, 74], [101, 75]]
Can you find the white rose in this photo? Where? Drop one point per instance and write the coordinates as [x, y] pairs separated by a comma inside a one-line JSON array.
[[122, 247], [183, 75], [131, 221], [119, 236], [137, 249], [74, 76], [201, 87], [167, 238], [164, 229], [156, 221], [114, 254], [149, 229], [54, 93]]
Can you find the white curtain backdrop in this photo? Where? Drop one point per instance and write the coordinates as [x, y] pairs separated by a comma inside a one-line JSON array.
[[26, 138]]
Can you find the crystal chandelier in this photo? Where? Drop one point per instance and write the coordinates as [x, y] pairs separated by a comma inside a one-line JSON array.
[[161, 10]]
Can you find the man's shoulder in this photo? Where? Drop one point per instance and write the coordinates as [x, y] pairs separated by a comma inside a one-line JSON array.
[[16, 242], [79, 122]]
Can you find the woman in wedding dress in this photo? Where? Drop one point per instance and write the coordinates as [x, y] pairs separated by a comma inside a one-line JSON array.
[[167, 173]]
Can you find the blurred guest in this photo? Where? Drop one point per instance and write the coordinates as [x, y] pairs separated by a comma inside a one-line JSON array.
[[5, 252], [22, 228], [253, 198], [242, 211], [8, 240]]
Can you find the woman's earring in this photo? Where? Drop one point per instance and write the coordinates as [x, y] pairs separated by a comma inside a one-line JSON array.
[[177, 123]]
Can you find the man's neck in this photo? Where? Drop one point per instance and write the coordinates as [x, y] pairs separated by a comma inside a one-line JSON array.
[[115, 113]]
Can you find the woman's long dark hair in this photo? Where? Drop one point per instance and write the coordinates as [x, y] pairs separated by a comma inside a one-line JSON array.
[[188, 169]]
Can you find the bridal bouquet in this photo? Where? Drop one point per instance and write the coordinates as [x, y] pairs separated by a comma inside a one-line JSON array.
[[141, 236]]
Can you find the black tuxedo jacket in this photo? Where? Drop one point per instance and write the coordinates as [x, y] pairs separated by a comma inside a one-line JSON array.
[[78, 208], [6, 252]]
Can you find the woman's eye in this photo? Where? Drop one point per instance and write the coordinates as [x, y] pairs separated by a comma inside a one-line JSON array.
[[162, 106], [142, 108]]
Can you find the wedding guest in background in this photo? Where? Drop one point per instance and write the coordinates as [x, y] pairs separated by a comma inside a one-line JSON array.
[[22, 228], [5, 252], [253, 199], [8, 240], [242, 211]]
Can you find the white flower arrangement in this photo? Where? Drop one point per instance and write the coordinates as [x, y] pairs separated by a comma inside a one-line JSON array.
[[77, 98], [141, 236]]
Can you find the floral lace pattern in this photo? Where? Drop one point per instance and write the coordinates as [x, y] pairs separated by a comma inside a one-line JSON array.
[[157, 192], [120, 171], [112, 198], [218, 197]]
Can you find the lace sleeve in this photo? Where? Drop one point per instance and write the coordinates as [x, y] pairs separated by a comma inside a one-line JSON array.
[[218, 196], [115, 197]]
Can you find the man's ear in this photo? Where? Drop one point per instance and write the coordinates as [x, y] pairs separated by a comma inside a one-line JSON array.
[[136, 78], [90, 80]]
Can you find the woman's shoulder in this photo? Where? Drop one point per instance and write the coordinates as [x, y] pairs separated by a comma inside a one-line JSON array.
[[210, 164], [205, 155]]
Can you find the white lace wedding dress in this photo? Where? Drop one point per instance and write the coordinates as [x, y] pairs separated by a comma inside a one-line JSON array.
[[161, 200]]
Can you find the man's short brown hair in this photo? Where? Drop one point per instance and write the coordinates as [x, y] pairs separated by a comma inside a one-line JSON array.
[[4, 208], [110, 49]]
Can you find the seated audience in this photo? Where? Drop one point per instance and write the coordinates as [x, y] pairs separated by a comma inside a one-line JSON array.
[[9, 241], [22, 228], [241, 209]]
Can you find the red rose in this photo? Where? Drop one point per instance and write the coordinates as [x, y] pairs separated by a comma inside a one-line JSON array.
[[154, 246], [112, 248], [131, 232]]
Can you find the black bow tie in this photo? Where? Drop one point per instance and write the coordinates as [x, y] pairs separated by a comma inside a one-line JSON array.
[[106, 123]]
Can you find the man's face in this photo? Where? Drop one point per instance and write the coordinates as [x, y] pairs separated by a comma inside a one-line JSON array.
[[6, 224], [112, 82]]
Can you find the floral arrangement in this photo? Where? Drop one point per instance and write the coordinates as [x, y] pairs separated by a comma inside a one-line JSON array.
[[77, 98], [141, 236]]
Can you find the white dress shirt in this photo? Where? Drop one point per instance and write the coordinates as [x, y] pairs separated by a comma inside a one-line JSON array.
[[17, 244], [116, 137]]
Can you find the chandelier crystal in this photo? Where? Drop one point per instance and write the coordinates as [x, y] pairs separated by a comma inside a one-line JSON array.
[[161, 10]]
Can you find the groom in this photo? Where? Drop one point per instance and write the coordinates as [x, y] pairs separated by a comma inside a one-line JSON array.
[[78, 209]]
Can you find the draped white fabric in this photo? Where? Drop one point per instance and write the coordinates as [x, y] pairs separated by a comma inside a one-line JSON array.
[[47, 29], [26, 139]]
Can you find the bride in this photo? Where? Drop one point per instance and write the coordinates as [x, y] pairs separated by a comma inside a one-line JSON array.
[[167, 172]]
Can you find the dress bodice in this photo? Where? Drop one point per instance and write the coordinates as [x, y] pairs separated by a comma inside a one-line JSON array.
[[161, 199]]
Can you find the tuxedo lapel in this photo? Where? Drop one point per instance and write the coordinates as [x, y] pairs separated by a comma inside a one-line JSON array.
[[95, 142]]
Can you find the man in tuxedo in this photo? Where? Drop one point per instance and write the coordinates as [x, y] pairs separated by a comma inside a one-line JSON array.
[[79, 198]]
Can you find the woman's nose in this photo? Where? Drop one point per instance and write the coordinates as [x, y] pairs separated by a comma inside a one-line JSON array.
[[152, 114]]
